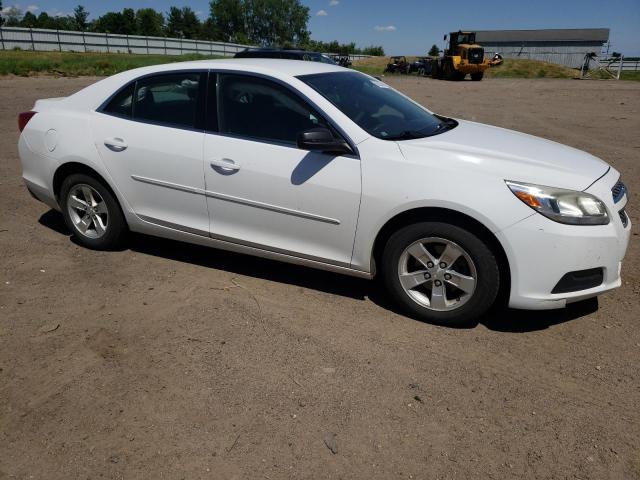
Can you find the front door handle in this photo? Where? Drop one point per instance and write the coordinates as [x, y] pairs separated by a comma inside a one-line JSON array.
[[115, 144], [225, 165]]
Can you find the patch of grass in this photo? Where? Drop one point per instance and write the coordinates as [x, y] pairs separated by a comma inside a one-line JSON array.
[[521, 68], [630, 76], [375, 65], [73, 64], [511, 68]]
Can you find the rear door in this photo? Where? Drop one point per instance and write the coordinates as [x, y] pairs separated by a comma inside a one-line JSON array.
[[150, 136]]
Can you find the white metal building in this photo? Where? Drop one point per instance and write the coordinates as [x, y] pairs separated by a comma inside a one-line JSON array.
[[562, 46]]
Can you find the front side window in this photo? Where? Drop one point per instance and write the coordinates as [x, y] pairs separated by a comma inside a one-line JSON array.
[[168, 99], [375, 107], [260, 109]]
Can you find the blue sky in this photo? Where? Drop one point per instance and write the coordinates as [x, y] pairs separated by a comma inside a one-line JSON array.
[[411, 26]]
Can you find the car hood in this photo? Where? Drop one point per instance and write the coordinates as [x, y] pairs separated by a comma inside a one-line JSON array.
[[508, 154]]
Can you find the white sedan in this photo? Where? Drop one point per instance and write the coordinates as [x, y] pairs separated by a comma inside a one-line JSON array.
[[322, 166]]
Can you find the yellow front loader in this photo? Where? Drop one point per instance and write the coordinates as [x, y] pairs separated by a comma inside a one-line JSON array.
[[463, 57]]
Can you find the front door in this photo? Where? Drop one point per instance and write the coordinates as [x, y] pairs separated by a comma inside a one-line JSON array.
[[262, 190]]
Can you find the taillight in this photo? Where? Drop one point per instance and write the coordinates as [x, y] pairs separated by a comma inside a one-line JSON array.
[[24, 118]]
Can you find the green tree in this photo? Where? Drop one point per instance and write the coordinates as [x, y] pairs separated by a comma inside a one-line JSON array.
[[45, 21], [182, 23], [434, 51], [227, 20], [274, 22], [65, 23], [129, 25], [80, 16], [29, 20], [190, 23], [174, 22], [149, 22], [110, 22], [376, 51]]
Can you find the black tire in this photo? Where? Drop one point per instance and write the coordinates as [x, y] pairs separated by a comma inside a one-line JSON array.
[[476, 77], [450, 73], [115, 226], [487, 280]]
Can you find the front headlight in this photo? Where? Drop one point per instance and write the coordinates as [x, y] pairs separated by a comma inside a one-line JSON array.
[[563, 206]]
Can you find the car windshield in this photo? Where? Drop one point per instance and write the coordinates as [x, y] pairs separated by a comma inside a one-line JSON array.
[[377, 108]]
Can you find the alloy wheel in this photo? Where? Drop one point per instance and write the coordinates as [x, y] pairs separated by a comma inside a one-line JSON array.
[[88, 211], [437, 274]]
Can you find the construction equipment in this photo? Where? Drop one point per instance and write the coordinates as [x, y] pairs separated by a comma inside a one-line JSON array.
[[421, 66], [398, 64], [463, 56]]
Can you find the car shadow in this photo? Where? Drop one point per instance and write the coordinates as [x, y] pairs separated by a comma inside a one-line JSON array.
[[310, 164], [54, 220], [500, 318]]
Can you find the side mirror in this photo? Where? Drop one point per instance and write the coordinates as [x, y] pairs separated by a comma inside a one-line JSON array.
[[445, 37], [321, 139]]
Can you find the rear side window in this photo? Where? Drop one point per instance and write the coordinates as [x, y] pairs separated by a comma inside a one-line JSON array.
[[170, 99], [121, 104], [255, 108]]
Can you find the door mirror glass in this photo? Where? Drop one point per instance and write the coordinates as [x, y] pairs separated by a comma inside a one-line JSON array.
[[322, 140]]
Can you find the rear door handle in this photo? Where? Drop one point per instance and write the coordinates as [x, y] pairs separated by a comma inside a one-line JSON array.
[[115, 144], [225, 165]]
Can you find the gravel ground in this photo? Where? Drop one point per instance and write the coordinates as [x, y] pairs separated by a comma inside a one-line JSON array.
[[167, 360]]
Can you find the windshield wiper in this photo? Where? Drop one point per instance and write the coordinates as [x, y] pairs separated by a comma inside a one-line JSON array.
[[405, 135]]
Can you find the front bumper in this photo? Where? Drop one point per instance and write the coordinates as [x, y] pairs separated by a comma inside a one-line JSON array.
[[541, 252]]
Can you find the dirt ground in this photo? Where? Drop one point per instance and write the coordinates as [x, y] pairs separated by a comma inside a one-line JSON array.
[[167, 360]]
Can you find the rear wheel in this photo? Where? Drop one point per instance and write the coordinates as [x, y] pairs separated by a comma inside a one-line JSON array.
[[440, 273], [92, 213], [476, 77]]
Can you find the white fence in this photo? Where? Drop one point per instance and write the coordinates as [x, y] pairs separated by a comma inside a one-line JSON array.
[[627, 65], [68, 41], [38, 39]]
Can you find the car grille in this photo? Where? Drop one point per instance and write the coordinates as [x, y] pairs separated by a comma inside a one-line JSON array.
[[623, 218], [618, 191]]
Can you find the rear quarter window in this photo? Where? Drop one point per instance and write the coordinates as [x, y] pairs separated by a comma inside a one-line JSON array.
[[121, 105]]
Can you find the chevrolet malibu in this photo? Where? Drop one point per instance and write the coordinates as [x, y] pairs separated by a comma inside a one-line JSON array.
[[322, 166]]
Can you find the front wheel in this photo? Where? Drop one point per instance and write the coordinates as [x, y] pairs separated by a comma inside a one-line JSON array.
[[476, 77], [440, 273], [92, 213]]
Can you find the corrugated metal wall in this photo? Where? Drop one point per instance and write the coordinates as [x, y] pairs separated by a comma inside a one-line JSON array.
[[67, 41], [43, 40], [571, 55]]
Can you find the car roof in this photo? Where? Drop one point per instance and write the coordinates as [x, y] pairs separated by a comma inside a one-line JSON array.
[[267, 49], [278, 68]]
